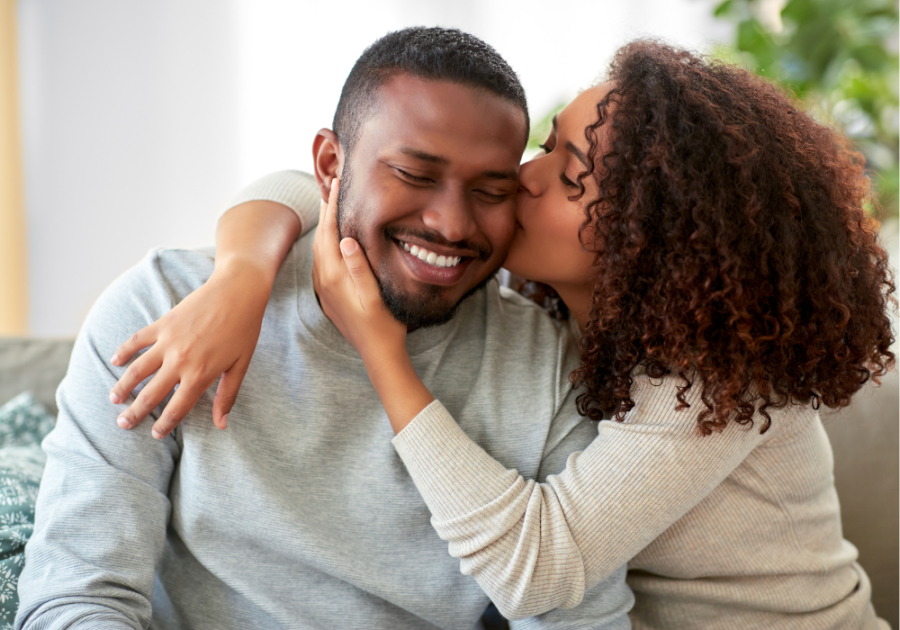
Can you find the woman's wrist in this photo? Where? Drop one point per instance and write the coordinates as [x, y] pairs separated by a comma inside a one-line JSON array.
[[248, 268], [399, 386], [388, 367], [247, 281], [253, 238]]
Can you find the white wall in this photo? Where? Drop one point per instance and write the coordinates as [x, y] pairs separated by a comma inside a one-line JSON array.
[[141, 118], [128, 115], [294, 57]]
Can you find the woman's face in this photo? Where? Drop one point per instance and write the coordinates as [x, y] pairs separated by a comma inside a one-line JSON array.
[[546, 247]]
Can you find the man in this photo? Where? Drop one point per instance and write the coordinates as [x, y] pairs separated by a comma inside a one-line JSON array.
[[301, 515]]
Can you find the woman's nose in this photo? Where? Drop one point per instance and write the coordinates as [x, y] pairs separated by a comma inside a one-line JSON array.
[[529, 178]]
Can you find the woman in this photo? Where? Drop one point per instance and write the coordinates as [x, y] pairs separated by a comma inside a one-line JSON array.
[[708, 244]]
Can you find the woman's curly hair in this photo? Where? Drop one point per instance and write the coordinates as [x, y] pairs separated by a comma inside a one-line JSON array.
[[732, 246]]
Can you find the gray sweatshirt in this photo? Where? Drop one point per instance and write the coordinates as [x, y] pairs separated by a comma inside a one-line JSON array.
[[301, 514]]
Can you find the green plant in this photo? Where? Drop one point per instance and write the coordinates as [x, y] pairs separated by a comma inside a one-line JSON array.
[[840, 58], [540, 129]]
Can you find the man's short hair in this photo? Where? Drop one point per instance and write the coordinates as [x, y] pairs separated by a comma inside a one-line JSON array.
[[440, 54]]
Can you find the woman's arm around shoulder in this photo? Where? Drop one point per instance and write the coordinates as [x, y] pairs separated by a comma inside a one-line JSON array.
[[536, 546]]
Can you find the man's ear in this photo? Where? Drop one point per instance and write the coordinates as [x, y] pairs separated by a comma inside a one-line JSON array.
[[328, 160]]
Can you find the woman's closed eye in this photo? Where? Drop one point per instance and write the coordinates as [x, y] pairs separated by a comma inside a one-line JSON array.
[[568, 182], [562, 176]]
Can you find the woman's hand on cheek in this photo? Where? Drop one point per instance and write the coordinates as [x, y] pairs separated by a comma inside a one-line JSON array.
[[349, 293]]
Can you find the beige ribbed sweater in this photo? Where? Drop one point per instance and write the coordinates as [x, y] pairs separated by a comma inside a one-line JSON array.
[[732, 530]]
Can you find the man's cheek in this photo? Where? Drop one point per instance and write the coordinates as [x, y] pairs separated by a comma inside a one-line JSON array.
[[502, 228]]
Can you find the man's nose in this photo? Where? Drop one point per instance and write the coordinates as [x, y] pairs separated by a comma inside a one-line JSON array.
[[451, 215]]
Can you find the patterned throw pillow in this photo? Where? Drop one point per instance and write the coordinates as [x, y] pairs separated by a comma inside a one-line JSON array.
[[24, 421], [23, 424]]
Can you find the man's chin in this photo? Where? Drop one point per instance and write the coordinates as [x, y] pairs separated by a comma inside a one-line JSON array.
[[423, 310], [417, 311]]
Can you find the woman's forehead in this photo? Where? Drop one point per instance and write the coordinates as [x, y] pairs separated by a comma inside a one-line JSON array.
[[582, 111]]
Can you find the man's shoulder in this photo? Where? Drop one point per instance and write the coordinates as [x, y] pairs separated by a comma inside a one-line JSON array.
[[512, 315], [149, 289], [519, 332], [179, 271], [515, 298]]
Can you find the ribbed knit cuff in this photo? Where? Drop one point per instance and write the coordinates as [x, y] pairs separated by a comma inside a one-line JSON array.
[[79, 615], [295, 189], [453, 474]]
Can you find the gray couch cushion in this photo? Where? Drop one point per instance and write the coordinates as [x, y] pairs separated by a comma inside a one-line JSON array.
[[35, 365]]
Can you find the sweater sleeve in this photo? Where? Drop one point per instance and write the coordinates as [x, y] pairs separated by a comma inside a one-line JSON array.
[[103, 505], [534, 546], [295, 189]]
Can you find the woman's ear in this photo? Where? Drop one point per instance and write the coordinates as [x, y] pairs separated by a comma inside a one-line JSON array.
[[328, 160]]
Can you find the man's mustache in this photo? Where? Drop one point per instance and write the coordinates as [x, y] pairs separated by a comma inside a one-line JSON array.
[[482, 253]]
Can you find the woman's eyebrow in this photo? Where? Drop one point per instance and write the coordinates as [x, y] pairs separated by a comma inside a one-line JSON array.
[[571, 148]]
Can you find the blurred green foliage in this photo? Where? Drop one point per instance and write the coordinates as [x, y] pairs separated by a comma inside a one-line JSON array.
[[840, 58], [540, 130]]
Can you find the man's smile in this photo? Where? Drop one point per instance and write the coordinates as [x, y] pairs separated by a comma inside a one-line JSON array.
[[430, 257], [433, 264]]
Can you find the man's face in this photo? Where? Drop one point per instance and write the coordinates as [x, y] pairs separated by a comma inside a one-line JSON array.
[[429, 193]]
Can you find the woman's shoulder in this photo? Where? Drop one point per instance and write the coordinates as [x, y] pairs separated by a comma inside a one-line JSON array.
[[675, 401]]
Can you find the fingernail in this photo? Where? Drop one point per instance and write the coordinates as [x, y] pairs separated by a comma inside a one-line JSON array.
[[115, 359], [156, 434], [122, 421], [115, 399], [225, 421], [348, 246], [334, 183]]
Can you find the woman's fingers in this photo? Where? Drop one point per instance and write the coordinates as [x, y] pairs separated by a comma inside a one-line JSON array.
[[361, 273], [149, 399], [330, 217], [143, 367], [323, 209], [138, 341], [182, 401], [226, 393], [327, 266], [329, 228]]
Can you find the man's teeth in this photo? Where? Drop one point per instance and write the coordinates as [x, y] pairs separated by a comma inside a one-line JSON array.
[[430, 257]]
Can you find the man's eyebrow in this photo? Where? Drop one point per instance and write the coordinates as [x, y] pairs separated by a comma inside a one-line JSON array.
[[422, 155], [577, 153], [437, 159], [507, 175]]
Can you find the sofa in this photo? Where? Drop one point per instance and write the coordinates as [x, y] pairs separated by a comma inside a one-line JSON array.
[[864, 438]]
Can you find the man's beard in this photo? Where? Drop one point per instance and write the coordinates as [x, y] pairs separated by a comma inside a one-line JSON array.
[[422, 309]]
